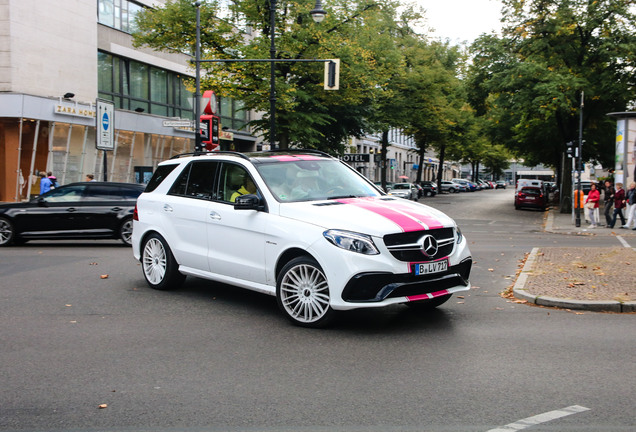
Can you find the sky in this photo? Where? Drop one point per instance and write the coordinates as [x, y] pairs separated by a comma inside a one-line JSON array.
[[462, 20]]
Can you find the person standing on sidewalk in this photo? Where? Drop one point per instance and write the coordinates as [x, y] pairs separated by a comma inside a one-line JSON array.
[[619, 205], [608, 198], [630, 199], [591, 204]]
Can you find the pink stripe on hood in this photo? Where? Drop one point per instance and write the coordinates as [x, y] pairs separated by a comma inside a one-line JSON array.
[[430, 221], [402, 216]]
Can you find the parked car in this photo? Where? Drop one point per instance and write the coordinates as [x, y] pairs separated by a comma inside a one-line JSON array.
[[312, 232], [467, 185], [501, 184], [389, 185], [429, 188], [89, 210], [404, 190], [531, 196], [451, 187]]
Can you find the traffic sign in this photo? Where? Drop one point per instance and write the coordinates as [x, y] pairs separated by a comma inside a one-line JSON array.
[[105, 125], [177, 123]]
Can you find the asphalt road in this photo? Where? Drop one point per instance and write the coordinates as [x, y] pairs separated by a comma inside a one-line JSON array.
[[211, 357]]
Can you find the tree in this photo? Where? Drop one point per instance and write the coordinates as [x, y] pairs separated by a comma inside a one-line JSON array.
[[528, 82], [359, 32]]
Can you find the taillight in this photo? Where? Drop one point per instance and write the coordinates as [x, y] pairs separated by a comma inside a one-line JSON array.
[[135, 214]]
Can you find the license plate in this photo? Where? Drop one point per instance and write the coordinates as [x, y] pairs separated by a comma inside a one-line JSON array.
[[432, 267]]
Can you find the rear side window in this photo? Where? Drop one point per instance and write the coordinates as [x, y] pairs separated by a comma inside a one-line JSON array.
[[160, 174], [103, 193], [196, 181]]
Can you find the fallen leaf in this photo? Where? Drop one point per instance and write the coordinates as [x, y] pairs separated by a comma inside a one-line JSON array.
[[491, 269], [461, 297], [104, 276], [102, 406]]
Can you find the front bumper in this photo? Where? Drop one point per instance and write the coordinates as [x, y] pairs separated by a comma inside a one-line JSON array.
[[374, 287]]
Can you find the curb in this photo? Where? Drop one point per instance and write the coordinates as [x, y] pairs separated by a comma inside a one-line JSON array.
[[591, 305]]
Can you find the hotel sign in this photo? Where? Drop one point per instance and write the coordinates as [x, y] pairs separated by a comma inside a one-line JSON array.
[[75, 111]]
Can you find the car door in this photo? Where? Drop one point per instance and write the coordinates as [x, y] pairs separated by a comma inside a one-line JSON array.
[[236, 238], [56, 211], [186, 214], [103, 205]]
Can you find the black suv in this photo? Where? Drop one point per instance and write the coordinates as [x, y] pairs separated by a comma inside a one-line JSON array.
[[89, 210], [429, 188]]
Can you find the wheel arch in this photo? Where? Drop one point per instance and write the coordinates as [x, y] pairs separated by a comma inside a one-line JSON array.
[[289, 255]]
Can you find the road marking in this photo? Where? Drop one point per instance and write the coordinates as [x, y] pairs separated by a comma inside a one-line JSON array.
[[541, 418], [623, 241]]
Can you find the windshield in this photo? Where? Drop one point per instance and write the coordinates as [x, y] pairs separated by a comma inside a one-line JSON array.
[[308, 180]]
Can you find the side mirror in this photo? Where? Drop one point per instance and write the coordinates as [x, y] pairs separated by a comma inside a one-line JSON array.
[[248, 202]]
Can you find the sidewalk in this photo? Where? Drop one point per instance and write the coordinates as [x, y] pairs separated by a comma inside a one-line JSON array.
[[595, 279]]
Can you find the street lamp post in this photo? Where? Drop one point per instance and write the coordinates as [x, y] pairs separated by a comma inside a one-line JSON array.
[[318, 14], [197, 93]]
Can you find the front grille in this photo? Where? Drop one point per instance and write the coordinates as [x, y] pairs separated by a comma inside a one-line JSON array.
[[408, 247]]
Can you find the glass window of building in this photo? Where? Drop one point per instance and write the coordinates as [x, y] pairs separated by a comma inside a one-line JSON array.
[[119, 14], [133, 85]]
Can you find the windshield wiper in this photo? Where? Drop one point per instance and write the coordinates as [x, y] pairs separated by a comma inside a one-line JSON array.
[[343, 196]]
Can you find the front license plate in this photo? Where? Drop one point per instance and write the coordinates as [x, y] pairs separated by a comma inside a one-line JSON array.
[[433, 267]]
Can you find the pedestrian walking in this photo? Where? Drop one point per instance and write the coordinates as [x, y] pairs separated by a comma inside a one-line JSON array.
[[608, 200], [619, 205], [45, 183], [591, 204], [90, 178], [630, 199], [53, 179]]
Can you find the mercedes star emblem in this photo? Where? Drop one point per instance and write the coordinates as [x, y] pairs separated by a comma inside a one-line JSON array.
[[429, 246]]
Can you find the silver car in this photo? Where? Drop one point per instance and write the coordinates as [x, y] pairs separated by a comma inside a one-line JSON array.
[[404, 190]]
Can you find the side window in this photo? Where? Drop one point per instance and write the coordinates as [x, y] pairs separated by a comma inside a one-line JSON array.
[[201, 181], [179, 186], [159, 176], [234, 182], [196, 181], [102, 193], [65, 194]]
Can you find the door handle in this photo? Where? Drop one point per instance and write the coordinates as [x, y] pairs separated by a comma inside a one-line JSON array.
[[167, 208], [116, 209], [71, 209], [214, 215]]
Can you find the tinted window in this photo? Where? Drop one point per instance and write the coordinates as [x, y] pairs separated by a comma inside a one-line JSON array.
[[103, 193], [159, 176], [531, 191], [65, 194], [196, 180]]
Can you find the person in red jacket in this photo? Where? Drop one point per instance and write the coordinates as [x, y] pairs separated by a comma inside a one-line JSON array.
[[591, 204], [619, 205]]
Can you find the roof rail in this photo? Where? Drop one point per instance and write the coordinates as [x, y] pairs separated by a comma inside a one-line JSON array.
[[299, 151], [241, 155]]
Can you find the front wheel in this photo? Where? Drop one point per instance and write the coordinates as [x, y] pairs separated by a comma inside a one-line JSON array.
[[7, 232], [125, 231], [160, 268], [302, 293]]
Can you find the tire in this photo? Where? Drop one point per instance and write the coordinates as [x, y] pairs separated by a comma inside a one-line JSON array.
[[429, 304], [452, 190], [302, 293], [159, 266], [429, 193], [125, 231], [7, 232]]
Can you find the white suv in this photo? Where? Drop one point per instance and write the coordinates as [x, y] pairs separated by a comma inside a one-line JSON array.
[[299, 225]]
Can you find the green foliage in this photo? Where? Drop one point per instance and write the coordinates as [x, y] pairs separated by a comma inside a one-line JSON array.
[[528, 83]]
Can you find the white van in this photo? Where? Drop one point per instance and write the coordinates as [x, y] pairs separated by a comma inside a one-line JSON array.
[[529, 182]]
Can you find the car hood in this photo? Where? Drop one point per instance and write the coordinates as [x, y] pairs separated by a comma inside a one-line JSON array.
[[16, 205], [374, 216]]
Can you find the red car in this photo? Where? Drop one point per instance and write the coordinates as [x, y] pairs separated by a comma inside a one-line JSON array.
[[530, 196]]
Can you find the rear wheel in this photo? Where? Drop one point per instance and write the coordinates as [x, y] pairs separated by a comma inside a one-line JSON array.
[[125, 231], [7, 232], [302, 293], [160, 268], [429, 304]]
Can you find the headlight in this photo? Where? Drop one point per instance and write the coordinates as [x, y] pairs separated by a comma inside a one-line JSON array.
[[458, 235], [351, 241]]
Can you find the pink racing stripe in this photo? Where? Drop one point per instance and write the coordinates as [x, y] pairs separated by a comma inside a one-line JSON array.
[[427, 296], [405, 222], [428, 220]]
